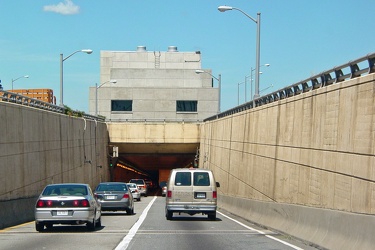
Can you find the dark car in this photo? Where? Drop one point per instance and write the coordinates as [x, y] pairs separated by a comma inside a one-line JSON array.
[[67, 203], [115, 196]]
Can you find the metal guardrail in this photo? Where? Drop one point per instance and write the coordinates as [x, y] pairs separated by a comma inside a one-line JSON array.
[[321, 80], [155, 120], [7, 96]]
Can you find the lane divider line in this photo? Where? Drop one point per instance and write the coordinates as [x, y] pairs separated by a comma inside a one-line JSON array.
[[261, 232], [126, 240]]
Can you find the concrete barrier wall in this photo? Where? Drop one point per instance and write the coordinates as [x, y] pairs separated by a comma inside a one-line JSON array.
[[315, 151], [40, 147]]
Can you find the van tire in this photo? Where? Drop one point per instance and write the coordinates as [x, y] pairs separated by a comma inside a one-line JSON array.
[[212, 216], [169, 214]]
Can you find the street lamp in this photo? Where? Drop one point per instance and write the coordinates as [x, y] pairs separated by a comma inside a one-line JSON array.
[[238, 92], [62, 59], [199, 71], [96, 94], [257, 61], [251, 79], [13, 80]]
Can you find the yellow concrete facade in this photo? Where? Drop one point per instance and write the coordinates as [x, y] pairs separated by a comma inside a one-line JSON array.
[[304, 165], [316, 149]]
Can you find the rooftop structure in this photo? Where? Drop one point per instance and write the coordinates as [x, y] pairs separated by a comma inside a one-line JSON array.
[[153, 85]]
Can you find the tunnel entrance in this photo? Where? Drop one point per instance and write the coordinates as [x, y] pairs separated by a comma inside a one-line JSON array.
[[152, 161], [149, 150]]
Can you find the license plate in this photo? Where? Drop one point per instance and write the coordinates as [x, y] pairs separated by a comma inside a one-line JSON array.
[[111, 197], [201, 196], [62, 213]]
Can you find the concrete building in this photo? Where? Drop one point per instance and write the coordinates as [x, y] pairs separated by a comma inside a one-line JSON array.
[[153, 85]]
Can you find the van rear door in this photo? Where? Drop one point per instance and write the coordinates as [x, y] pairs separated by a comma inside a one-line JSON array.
[[202, 187], [183, 188]]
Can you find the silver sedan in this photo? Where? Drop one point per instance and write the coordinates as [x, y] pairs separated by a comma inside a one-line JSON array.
[[67, 203], [115, 196], [134, 190]]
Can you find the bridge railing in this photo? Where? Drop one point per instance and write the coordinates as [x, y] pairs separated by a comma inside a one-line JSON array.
[[361, 66], [156, 120], [7, 96]]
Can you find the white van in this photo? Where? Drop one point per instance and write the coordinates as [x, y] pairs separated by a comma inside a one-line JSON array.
[[191, 191]]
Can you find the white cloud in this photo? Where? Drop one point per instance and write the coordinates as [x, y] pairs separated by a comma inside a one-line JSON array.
[[65, 8]]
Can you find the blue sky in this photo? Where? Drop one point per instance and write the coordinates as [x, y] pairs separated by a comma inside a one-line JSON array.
[[298, 39]]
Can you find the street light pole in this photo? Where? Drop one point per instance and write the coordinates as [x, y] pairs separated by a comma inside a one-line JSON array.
[[238, 92], [13, 80], [199, 71], [257, 61], [96, 94], [251, 79], [62, 59]]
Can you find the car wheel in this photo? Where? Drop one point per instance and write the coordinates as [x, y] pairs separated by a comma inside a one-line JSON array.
[[91, 225], [39, 226], [128, 211], [139, 199], [169, 215], [99, 222], [49, 225], [212, 216]]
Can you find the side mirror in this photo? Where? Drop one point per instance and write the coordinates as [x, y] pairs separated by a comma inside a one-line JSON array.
[[217, 184]]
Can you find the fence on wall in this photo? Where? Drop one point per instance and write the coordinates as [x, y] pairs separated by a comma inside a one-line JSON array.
[[359, 67]]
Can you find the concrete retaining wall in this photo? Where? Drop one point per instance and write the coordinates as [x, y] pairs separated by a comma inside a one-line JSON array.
[[38, 147], [331, 229], [315, 151]]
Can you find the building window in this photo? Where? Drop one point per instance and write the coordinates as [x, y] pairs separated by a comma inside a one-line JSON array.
[[187, 106], [122, 105]]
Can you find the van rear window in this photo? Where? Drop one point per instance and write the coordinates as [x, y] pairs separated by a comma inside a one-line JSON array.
[[201, 179], [183, 179]]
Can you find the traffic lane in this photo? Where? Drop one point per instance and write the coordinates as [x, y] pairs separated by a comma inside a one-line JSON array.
[[115, 225], [198, 232]]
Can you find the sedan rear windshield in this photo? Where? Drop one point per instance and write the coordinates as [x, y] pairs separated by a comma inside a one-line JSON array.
[[65, 190], [139, 181], [112, 187]]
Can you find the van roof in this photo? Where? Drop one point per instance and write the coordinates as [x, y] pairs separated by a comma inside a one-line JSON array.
[[188, 169]]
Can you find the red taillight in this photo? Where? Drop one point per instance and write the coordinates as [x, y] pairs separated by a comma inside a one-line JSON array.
[[169, 194], [81, 203], [85, 203], [126, 196], [42, 203], [214, 194]]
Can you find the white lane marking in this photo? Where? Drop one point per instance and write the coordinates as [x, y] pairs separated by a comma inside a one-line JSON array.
[[126, 240], [261, 232]]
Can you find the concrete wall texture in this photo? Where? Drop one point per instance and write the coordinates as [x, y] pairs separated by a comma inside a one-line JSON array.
[[314, 152], [37, 148], [303, 165]]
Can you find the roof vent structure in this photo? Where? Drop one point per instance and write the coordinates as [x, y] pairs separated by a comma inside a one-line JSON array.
[[172, 49], [141, 49]]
